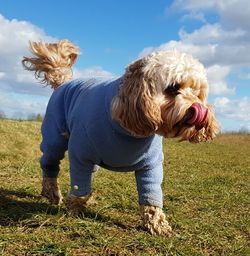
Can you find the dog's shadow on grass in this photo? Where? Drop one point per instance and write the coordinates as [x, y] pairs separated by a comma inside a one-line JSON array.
[[18, 205]]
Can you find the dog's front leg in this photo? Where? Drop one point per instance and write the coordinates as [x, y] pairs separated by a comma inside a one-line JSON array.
[[81, 172], [79, 204], [151, 200]]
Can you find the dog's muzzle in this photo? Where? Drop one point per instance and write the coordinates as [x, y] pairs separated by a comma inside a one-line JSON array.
[[197, 115]]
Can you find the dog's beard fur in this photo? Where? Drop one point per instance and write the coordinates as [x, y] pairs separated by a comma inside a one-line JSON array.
[[175, 115]]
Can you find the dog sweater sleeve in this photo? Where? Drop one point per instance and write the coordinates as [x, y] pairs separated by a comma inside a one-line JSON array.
[[82, 157], [54, 144], [149, 185]]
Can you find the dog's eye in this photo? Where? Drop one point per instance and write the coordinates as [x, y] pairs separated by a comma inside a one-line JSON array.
[[172, 90]]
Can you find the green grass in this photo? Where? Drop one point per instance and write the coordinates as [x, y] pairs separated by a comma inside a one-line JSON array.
[[206, 191]]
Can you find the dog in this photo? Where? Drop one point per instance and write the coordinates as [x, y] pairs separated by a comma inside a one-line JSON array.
[[119, 123]]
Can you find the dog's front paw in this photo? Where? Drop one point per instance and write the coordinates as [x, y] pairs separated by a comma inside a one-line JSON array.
[[76, 205], [51, 190], [154, 221]]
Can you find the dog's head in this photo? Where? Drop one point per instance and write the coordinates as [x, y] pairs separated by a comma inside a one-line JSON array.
[[166, 93]]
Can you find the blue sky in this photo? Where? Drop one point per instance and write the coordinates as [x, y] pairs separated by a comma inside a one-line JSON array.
[[111, 34]]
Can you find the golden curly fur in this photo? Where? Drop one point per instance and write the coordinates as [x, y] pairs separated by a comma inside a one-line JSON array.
[[158, 91], [52, 62], [154, 220]]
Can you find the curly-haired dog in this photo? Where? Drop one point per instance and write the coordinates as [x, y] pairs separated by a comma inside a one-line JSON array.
[[119, 124]]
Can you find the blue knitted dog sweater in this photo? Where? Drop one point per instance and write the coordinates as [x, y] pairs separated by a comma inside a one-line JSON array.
[[78, 119]]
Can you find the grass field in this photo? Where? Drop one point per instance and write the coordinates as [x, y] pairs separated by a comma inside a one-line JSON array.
[[206, 191]]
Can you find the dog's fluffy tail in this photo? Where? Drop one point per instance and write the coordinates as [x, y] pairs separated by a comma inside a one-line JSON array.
[[51, 62]]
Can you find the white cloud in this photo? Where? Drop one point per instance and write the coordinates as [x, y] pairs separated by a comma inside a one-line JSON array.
[[211, 44], [245, 75], [216, 77], [14, 38], [232, 13], [220, 43], [194, 16], [96, 72], [190, 6], [212, 33], [21, 105], [233, 109], [2, 75]]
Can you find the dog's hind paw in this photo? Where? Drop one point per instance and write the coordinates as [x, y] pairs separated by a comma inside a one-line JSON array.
[[154, 221], [51, 190]]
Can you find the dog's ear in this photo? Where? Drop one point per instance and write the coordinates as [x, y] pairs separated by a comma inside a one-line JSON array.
[[136, 107]]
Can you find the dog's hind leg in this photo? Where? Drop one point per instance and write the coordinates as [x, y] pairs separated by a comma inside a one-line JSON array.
[[54, 144]]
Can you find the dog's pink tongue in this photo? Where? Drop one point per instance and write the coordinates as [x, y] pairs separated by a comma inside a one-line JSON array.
[[199, 114]]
